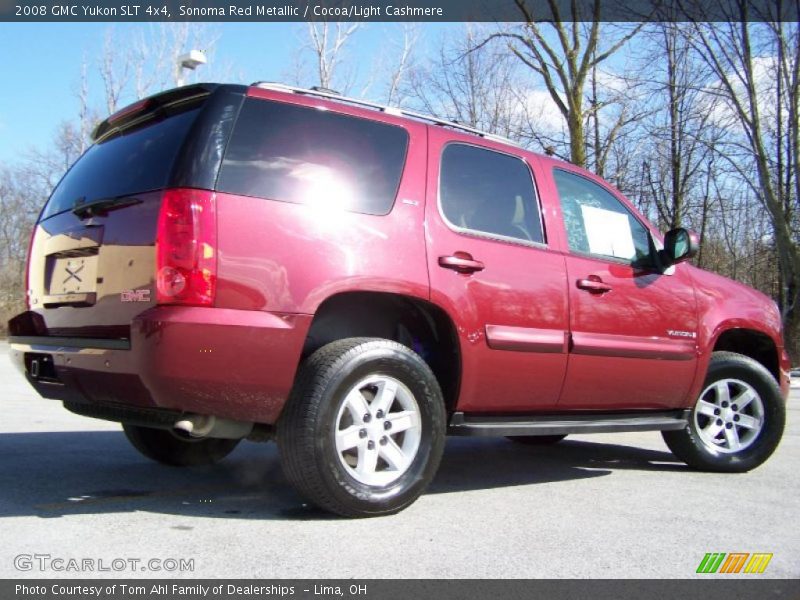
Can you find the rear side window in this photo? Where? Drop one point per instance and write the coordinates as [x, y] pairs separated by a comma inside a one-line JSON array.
[[489, 192], [135, 161], [310, 156]]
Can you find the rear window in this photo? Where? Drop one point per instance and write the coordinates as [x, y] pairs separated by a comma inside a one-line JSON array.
[[134, 161], [311, 156]]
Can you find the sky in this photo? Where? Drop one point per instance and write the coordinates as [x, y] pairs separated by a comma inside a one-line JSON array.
[[40, 66]]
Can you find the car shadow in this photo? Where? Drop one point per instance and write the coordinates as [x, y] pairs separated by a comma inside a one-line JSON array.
[[54, 474]]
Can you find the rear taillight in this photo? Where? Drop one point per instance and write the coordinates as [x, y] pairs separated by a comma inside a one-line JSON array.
[[186, 248]]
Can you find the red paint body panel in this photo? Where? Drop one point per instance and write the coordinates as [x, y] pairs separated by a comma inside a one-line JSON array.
[[522, 287], [229, 363], [616, 358], [622, 354], [724, 305]]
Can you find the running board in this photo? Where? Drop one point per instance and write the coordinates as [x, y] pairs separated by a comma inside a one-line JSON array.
[[480, 425]]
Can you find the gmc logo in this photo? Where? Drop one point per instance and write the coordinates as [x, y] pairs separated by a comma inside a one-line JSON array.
[[135, 295]]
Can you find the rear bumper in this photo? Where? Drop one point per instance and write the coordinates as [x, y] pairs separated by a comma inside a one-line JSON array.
[[228, 363]]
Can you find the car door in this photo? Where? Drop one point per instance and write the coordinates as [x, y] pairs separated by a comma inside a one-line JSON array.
[[633, 328], [492, 270]]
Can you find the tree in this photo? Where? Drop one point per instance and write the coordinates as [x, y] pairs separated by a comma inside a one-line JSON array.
[[156, 50], [680, 133], [474, 86], [404, 64], [22, 193], [146, 61], [564, 53], [757, 70], [328, 42]]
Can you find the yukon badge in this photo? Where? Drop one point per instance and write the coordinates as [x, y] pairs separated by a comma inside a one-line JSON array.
[[681, 334], [135, 295]]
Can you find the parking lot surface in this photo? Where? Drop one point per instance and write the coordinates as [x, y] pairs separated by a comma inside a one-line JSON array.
[[605, 506]]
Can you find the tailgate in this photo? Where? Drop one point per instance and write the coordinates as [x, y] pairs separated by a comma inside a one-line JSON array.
[[91, 277], [93, 258]]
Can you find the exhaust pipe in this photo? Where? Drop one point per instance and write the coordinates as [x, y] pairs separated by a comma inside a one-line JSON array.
[[209, 426]]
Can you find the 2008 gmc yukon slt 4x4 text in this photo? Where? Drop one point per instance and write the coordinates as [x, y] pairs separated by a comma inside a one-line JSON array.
[[231, 262]]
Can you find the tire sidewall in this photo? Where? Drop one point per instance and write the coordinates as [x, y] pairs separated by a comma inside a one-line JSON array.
[[774, 415], [415, 375]]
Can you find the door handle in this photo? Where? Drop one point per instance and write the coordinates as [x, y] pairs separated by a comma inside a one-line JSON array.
[[593, 284], [461, 262]]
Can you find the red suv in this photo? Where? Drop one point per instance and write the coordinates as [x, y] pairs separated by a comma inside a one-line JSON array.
[[357, 281]]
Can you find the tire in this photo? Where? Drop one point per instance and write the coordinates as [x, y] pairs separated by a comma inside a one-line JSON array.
[[723, 434], [335, 445], [537, 440], [164, 446]]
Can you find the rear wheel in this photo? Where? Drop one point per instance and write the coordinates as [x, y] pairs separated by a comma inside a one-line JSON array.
[[738, 420], [166, 447], [363, 431], [537, 440]]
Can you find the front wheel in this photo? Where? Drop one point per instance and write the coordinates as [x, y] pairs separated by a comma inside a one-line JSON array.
[[362, 433], [737, 421]]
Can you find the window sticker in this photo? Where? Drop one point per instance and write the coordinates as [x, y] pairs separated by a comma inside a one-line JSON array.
[[608, 232]]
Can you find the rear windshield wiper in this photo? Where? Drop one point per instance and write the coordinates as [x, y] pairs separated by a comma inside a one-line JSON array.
[[83, 209]]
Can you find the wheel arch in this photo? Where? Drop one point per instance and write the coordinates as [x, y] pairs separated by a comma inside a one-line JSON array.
[[422, 326], [753, 343]]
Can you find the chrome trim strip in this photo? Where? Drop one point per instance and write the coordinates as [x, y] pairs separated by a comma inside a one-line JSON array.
[[70, 342]]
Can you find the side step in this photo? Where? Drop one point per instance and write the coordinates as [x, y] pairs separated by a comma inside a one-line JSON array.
[[481, 425]]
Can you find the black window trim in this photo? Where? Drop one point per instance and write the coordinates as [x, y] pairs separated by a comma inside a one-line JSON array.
[[603, 257], [326, 109], [543, 245]]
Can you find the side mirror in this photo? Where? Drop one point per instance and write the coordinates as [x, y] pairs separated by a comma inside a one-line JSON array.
[[679, 245]]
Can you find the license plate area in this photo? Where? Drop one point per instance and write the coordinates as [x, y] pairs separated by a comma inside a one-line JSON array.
[[71, 278], [72, 275]]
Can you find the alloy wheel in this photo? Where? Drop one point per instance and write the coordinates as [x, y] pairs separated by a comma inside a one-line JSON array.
[[729, 415], [378, 430]]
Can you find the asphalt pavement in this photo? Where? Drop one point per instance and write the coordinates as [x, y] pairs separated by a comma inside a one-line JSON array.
[[604, 506]]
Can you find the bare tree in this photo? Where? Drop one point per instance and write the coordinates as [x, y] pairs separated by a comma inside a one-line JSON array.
[[328, 42], [474, 86], [757, 72], [681, 137], [404, 63], [21, 194], [156, 50], [115, 70], [145, 61], [563, 52]]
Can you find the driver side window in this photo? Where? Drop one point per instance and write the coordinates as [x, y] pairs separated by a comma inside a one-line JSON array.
[[599, 224]]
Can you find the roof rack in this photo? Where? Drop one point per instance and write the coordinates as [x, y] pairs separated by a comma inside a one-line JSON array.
[[389, 110]]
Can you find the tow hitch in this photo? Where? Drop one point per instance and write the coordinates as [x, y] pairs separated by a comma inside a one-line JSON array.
[[40, 367]]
